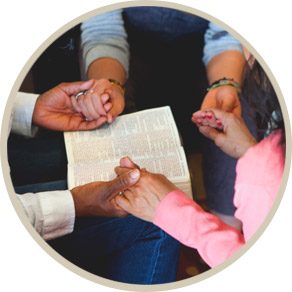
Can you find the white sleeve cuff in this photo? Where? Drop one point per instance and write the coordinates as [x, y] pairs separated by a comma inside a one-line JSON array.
[[59, 213], [51, 213], [21, 117]]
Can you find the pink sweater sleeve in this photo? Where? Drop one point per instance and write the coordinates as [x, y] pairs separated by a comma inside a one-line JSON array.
[[258, 177], [186, 221], [259, 174]]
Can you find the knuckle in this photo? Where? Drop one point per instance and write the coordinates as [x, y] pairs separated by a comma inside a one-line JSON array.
[[104, 82], [62, 84], [123, 180], [138, 189], [161, 176]]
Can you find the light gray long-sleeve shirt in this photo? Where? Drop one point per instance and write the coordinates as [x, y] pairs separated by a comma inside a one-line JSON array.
[[51, 213], [104, 35]]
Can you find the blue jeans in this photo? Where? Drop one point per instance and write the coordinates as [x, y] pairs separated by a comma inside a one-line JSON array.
[[126, 250]]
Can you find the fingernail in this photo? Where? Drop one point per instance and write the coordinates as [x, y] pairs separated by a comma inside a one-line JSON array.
[[135, 173]]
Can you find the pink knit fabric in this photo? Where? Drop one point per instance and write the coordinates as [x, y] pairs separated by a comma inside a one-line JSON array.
[[259, 174]]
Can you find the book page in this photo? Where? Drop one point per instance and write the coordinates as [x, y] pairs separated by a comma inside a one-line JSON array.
[[172, 164], [137, 135]]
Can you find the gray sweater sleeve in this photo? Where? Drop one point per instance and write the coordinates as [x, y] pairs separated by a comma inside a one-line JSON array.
[[104, 35]]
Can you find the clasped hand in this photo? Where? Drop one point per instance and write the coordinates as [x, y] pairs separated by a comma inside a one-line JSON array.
[[134, 190], [58, 109], [143, 198]]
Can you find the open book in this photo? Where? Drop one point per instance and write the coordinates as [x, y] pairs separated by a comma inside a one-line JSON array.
[[150, 138]]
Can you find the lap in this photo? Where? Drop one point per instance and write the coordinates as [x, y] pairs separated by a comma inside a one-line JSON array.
[[121, 249]]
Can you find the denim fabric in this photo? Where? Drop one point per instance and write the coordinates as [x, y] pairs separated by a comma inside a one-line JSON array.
[[219, 169], [126, 250], [165, 23]]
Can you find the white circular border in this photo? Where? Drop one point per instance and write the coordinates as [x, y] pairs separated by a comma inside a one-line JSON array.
[[277, 89]]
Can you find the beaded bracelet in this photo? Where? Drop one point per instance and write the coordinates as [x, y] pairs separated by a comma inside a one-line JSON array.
[[113, 81], [223, 82]]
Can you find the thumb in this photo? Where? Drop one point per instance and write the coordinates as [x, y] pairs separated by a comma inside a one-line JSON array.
[[90, 125], [122, 182], [128, 163], [209, 132], [219, 138], [227, 105], [220, 114]]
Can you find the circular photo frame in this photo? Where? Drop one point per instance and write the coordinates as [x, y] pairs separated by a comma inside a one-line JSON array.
[[161, 51]]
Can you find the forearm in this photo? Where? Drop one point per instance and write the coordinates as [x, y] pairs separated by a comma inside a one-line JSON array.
[[228, 64], [107, 68], [186, 221], [104, 38]]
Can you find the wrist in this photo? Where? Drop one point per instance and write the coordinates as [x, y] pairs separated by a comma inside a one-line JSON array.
[[244, 147], [78, 201], [225, 82], [118, 84], [248, 145], [35, 113]]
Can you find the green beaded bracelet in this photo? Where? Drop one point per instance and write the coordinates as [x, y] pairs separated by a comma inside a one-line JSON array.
[[223, 82]]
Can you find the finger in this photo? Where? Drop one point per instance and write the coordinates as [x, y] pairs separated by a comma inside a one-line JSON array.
[[122, 182], [123, 203], [89, 101], [98, 105], [121, 170], [127, 162], [83, 107], [75, 105], [198, 117], [220, 114], [199, 114], [119, 212], [104, 98], [118, 101], [91, 125], [197, 121], [107, 106], [219, 125], [109, 118], [72, 88], [115, 111], [211, 119], [210, 132], [108, 91], [129, 194]]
